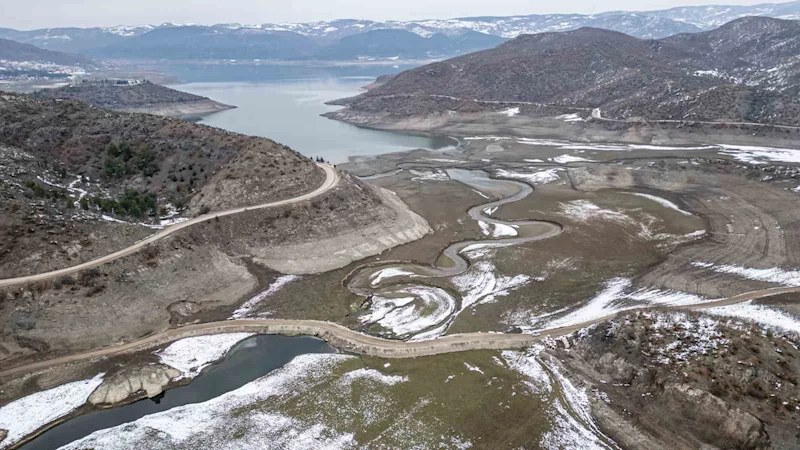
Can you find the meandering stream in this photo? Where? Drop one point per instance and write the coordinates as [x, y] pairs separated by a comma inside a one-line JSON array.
[[406, 294]]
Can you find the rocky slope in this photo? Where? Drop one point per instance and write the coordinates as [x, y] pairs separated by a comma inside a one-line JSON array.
[[684, 380], [88, 177], [143, 97], [744, 71]]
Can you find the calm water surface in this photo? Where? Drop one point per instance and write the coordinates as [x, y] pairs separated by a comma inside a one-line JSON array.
[[289, 112], [247, 361]]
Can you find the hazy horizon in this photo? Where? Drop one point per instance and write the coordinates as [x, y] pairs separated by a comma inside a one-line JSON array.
[[97, 13]]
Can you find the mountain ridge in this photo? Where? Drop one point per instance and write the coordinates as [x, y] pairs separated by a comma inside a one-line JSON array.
[[744, 71], [642, 24]]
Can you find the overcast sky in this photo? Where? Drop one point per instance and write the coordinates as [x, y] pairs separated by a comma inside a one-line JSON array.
[[22, 14]]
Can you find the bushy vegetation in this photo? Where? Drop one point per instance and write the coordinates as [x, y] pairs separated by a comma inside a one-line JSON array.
[[132, 203], [56, 195], [122, 160]]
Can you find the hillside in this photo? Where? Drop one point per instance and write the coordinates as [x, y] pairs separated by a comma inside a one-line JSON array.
[[716, 382], [79, 183], [25, 61], [744, 71], [172, 159], [143, 97], [15, 51]]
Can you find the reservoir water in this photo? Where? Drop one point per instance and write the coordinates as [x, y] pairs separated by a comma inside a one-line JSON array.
[[288, 111], [248, 360]]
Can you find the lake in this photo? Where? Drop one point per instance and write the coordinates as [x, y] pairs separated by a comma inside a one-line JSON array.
[[288, 111], [248, 360]]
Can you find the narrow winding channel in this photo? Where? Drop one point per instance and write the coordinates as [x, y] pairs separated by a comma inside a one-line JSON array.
[[401, 281]]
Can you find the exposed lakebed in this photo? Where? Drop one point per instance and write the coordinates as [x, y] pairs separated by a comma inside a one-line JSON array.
[[247, 361]]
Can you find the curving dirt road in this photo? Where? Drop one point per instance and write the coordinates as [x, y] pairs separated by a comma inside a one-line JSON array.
[[346, 339], [331, 180]]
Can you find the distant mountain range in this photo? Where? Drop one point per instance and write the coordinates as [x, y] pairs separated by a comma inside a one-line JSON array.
[[364, 39], [21, 60], [747, 70], [15, 51]]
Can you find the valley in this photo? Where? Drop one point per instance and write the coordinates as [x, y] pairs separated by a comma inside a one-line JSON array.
[[571, 239]]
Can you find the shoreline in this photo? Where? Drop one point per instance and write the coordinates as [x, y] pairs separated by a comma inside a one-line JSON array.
[[484, 124]]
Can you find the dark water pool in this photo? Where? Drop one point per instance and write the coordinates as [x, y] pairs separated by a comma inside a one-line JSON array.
[[248, 360]]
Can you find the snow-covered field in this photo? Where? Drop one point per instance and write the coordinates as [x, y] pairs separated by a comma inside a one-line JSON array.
[[192, 355], [248, 306], [24, 416]]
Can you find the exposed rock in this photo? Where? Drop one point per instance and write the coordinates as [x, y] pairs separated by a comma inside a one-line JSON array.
[[620, 370], [24, 320], [738, 428], [3, 434], [147, 381]]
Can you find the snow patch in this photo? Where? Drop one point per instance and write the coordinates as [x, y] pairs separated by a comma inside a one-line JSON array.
[[480, 284], [391, 272], [585, 210], [26, 415], [663, 202], [540, 177], [421, 307], [192, 355], [511, 112], [790, 278], [372, 375], [244, 310], [566, 159], [760, 314], [426, 175]]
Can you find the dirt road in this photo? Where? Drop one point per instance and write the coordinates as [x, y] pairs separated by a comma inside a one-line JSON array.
[[331, 180], [353, 341]]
